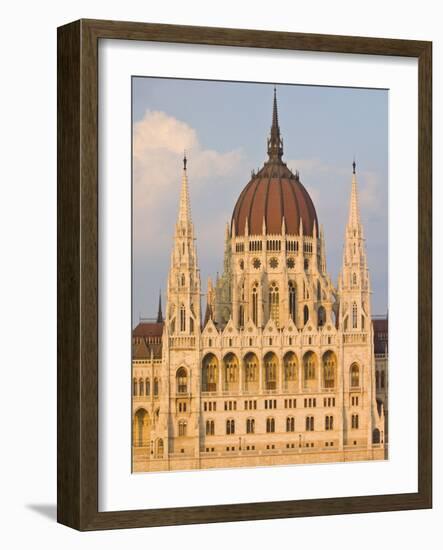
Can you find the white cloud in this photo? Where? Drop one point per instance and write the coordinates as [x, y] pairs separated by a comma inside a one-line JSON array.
[[159, 141]]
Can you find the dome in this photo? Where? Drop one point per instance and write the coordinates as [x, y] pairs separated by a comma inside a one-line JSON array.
[[274, 194]]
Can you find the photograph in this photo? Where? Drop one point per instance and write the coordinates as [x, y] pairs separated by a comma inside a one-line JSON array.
[[259, 274]]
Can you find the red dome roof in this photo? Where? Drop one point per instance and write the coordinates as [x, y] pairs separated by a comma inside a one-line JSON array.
[[272, 194]]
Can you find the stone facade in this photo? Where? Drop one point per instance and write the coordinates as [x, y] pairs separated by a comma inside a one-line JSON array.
[[282, 369]]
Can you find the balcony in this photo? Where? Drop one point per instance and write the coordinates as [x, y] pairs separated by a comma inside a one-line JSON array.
[[182, 342]]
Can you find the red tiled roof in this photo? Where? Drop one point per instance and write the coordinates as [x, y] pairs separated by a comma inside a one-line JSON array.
[[381, 335], [148, 329]]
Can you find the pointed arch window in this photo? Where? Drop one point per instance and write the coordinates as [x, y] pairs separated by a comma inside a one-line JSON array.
[[182, 380], [355, 376], [292, 301], [148, 387], [305, 314], [141, 387], [182, 428], [321, 316], [182, 279], [250, 426], [274, 298], [270, 425], [230, 426], [354, 315], [354, 279], [155, 387], [255, 304], [134, 387], [182, 318], [290, 424], [210, 427], [241, 316]]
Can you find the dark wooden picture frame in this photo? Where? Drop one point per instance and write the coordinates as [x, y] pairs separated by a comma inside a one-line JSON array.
[[77, 454]]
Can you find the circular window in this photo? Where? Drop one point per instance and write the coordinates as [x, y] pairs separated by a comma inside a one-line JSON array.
[[290, 262], [256, 263], [273, 262]]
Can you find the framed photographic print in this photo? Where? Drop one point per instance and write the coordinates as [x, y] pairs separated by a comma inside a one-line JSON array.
[[244, 217]]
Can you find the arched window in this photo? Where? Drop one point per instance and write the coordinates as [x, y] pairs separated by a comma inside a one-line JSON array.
[[230, 426], [354, 279], [376, 436], [141, 430], [354, 421], [160, 448], [241, 316], [134, 387], [329, 422], [305, 315], [251, 371], [210, 427], [209, 373], [329, 367], [306, 264], [318, 291], [290, 424], [309, 365], [309, 423], [290, 366], [148, 387], [355, 376], [182, 279], [191, 325], [274, 303], [321, 316], [182, 318], [182, 380], [270, 366], [155, 387], [182, 428], [292, 301], [230, 371], [270, 425], [354, 315], [250, 426], [141, 387], [255, 304]]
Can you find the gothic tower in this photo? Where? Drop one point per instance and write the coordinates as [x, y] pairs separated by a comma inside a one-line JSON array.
[[181, 338], [354, 286], [356, 324]]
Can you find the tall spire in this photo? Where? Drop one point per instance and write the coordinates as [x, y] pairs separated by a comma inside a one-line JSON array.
[[184, 213], [354, 210], [160, 313], [275, 143]]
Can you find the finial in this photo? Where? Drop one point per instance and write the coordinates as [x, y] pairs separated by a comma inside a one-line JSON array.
[[160, 313], [185, 160], [275, 144], [353, 166]]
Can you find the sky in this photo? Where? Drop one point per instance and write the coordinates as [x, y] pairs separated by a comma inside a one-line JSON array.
[[223, 126]]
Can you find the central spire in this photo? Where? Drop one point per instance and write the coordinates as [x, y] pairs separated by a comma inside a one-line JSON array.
[[275, 143]]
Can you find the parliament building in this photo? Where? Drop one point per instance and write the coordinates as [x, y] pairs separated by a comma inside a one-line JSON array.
[[283, 367]]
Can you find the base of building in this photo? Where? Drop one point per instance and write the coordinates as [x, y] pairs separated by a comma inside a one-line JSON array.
[[141, 463]]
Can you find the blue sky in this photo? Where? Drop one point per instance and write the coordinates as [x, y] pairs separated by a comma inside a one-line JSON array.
[[224, 126]]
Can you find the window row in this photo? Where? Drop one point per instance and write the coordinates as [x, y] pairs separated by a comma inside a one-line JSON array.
[[227, 374], [270, 425], [142, 387]]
